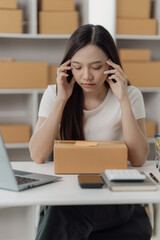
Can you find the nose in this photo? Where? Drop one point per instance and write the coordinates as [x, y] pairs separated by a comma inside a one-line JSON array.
[[87, 76]]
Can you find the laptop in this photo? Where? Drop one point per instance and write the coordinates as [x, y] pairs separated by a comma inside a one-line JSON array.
[[19, 180]]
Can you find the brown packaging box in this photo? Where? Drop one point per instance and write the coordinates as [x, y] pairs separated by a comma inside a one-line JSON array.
[[136, 26], [57, 5], [8, 4], [11, 21], [134, 54], [134, 8], [74, 157], [52, 74], [151, 128], [58, 22], [23, 74], [15, 133], [144, 74]]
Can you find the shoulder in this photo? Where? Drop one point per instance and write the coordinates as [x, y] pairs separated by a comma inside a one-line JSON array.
[[134, 92], [50, 92], [47, 101], [137, 102], [51, 89]]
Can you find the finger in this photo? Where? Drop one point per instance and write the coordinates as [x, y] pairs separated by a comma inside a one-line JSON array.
[[110, 81], [66, 63], [115, 71], [114, 77], [61, 76], [111, 71], [114, 65], [63, 69]]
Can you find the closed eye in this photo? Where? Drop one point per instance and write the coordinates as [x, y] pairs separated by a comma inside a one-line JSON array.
[[77, 68], [97, 68]]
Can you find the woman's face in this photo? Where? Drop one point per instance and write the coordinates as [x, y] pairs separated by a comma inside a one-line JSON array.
[[88, 66]]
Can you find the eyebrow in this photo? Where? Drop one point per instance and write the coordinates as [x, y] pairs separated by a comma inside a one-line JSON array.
[[90, 63]]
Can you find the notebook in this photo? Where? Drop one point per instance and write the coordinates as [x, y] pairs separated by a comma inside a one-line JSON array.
[[19, 180], [121, 175], [146, 185]]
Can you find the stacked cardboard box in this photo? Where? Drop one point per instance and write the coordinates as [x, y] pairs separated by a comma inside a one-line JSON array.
[[10, 17], [151, 128], [89, 157], [133, 17], [52, 74], [15, 133], [57, 17], [137, 55], [140, 70], [143, 74], [15, 74]]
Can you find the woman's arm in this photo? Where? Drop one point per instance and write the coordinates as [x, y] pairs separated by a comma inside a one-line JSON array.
[[47, 129], [42, 141], [134, 132]]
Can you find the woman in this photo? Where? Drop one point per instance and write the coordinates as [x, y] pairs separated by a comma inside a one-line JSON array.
[[91, 101]]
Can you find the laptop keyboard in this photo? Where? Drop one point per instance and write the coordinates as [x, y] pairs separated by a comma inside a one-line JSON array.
[[23, 180]]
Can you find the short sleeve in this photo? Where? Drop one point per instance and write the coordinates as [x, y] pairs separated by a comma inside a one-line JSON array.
[[47, 101], [137, 102]]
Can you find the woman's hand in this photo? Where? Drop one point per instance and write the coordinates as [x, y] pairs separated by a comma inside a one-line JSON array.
[[64, 87], [117, 80]]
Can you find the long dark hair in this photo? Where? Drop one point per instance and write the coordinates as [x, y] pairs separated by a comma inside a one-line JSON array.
[[72, 118]]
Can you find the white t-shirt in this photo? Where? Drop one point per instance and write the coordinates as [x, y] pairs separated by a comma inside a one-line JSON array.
[[104, 122]]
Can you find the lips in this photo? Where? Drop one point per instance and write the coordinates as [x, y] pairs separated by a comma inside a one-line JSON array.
[[88, 84]]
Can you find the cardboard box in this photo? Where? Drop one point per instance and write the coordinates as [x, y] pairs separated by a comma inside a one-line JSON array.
[[16, 133], [23, 74], [136, 26], [74, 157], [134, 8], [58, 22], [134, 54], [151, 128], [57, 5], [144, 74], [52, 74], [8, 4], [11, 21]]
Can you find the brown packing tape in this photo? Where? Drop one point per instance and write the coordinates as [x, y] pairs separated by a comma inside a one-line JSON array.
[[86, 144], [88, 158]]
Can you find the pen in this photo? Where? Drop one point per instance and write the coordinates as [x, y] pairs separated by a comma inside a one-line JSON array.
[[154, 178]]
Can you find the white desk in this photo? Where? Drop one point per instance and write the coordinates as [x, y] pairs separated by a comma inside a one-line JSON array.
[[65, 192]]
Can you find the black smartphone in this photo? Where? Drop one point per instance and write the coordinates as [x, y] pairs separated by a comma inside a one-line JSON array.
[[70, 75], [113, 80], [90, 181]]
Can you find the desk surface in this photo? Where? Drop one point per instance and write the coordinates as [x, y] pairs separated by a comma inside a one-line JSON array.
[[68, 192]]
